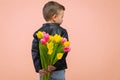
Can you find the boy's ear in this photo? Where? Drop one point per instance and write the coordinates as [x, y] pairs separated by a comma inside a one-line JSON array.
[[54, 17]]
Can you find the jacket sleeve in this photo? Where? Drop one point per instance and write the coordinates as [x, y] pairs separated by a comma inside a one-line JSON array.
[[35, 54], [62, 62]]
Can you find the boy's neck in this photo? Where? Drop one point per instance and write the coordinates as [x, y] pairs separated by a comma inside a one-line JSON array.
[[50, 22]]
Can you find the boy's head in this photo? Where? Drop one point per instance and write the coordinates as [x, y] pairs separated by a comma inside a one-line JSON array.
[[53, 12]]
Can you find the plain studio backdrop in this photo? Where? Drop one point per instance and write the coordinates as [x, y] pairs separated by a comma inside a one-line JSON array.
[[94, 32]]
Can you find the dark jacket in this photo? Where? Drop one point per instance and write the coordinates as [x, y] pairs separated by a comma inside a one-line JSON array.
[[51, 28]]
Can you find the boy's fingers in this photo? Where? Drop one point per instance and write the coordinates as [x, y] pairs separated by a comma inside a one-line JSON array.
[[43, 72], [51, 68]]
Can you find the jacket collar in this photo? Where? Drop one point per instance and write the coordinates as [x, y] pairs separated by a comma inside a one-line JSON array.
[[51, 24]]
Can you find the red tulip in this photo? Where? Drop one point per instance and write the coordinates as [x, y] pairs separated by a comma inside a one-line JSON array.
[[46, 36], [66, 49], [43, 41]]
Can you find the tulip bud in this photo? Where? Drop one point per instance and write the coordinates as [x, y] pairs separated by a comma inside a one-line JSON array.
[[64, 40], [46, 36], [43, 41], [66, 49]]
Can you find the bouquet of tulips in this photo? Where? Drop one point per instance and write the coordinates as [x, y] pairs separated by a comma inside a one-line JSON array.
[[51, 49]]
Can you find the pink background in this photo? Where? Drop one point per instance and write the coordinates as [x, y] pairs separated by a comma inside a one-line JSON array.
[[94, 32]]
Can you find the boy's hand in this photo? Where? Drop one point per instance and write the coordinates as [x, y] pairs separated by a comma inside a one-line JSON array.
[[51, 68], [42, 72]]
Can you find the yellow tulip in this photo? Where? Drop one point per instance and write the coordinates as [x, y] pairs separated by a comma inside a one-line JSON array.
[[59, 55], [39, 34], [67, 43], [50, 51], [57, 38], [51, 38], [50, 45], [50, 48]]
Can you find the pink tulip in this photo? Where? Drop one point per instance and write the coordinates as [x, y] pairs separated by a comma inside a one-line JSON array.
[[44, 32], [66, 49], [46, 36], [64, 40], [43, 41]]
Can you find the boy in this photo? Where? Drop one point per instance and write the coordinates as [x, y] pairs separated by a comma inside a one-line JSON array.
[[53, 13]]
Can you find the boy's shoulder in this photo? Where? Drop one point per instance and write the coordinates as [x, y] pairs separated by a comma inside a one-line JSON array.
[[53, 26], [49, 27], [34, 34]]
